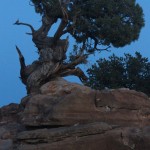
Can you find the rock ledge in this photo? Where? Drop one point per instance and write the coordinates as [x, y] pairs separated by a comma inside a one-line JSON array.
[[69, 116]]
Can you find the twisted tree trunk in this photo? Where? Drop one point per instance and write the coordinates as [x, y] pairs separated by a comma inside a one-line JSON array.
[[52, 53]]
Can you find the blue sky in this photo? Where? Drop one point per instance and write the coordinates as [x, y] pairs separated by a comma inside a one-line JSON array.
[[11, 88]]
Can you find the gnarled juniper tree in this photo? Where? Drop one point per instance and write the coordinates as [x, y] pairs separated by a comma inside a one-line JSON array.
[[91, 23]]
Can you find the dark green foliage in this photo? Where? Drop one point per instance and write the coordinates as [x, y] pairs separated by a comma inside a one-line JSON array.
[[129, 71], [97, 22]]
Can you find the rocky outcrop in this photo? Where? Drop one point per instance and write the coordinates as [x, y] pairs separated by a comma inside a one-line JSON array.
[[69, 116]]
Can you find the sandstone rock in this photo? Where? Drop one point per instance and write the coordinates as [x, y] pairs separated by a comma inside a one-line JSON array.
[[63, 103], [9, 113], [59, 87], [60, 103], [86, 137], [4, 133], [124, 106], [6, 144], [62, 133], [69, 116]]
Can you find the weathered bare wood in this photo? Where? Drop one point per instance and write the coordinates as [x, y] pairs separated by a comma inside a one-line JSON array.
[[52, 53], [79, 60], [22, 66], [25, 24], [59, 31], [76, 72], [41, 75]]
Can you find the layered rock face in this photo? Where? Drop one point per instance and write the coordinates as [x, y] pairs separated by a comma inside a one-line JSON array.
[[69, 116]]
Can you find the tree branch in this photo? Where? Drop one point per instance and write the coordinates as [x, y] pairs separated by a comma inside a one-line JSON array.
[[104, 49], [75, 63], [26, 24], [22, 65], [59, 31], [96, 42], [76, 72], [67, 30], [46, 25], [63, 23]]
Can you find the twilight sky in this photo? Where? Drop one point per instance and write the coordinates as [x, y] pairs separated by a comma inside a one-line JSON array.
[[11, 88]]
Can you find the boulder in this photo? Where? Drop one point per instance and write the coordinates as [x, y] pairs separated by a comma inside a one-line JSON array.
[[91, 136], [62, 103], [70, 116]]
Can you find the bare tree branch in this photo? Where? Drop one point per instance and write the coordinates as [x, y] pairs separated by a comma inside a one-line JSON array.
[[64, 21], [76, 72], [104, 49], [22, 65], [79, 60], [26, 24], [59, 31]]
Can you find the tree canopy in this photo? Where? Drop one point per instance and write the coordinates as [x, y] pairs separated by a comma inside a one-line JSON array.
[[92, 23], [96, 22], [131, 72]]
